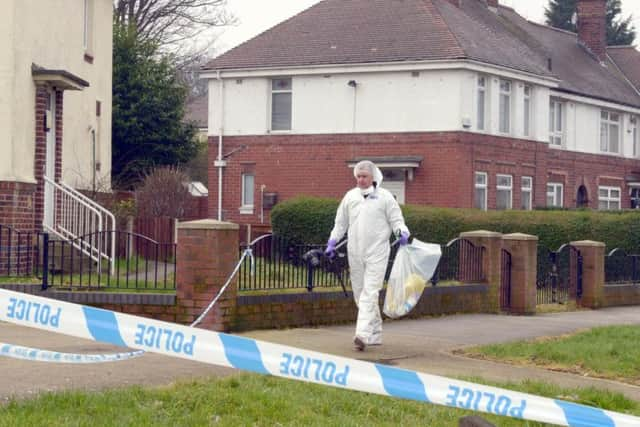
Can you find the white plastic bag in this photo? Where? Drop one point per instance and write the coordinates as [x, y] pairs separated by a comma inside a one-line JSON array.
[[413, 266]]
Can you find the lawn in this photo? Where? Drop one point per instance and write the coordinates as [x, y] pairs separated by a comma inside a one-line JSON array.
[[253, 400], [610, 352]]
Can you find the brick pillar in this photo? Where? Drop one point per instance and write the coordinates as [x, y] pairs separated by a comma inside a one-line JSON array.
[[207, 253], [491, 262], [524, 259], [592, 272]]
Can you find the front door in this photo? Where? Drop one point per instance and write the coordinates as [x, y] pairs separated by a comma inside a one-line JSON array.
[[50, 159], [394, 183]]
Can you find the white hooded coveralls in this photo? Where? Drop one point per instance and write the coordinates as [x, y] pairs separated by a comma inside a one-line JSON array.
[[369, 222]]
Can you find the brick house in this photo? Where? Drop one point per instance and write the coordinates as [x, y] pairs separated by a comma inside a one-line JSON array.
[[462, 103], [55, 104]]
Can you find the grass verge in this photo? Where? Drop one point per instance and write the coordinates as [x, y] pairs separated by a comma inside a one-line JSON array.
[[253, 400], [610, 352]]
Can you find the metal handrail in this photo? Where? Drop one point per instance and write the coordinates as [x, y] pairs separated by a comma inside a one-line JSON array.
[[65, 225]]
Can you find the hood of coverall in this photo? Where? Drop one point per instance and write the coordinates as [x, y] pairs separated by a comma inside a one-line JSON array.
[[377, 174]]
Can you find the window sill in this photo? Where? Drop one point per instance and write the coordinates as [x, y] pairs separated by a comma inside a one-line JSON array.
[[88, 58], [276, 132], [246, 210]]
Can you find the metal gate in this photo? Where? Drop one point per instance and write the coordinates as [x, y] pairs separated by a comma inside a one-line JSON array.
[[505, 281], [559, 275]]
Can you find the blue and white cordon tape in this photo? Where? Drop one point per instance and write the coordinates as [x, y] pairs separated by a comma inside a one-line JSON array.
[[289, 362], [39, 355]]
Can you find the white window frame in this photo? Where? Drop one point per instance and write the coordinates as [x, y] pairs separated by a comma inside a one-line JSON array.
[[481, 102], [556, 122], [609, 198], [246, 208], [87, 26], [526, 192], [634, 197], [505, 106], [504, 188], [552, 191], [480, 187], [527, 97], [606, 130], [274, 92]]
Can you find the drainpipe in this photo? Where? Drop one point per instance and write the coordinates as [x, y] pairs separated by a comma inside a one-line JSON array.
[[220, 163], [93, 169]]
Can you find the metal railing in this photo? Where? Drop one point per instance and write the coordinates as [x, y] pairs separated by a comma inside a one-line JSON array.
[[140, 263], [277, 264], [76, 215], [19, 252], [621, 267], [461, 261]]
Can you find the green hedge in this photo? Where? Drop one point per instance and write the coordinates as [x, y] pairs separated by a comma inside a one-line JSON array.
[[309, 220]]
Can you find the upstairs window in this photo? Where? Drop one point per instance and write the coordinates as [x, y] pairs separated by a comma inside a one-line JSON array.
[[87, 26], [556, 123], [526, 198], [504, 192], [505, 106], [482, 103], [609, 132], [480, 193], [609, 198], [281, 91], [554, 195], [527, 111]]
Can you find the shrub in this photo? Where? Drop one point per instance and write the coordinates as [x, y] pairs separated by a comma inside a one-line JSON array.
[[163, 193], [310, 220]]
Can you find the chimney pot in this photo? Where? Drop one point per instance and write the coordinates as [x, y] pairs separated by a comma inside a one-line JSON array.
[[492, 3], [592, 26], [456, 3]]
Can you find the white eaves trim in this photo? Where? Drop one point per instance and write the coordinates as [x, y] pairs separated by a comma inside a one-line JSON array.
[[595, 102], [465, 64]]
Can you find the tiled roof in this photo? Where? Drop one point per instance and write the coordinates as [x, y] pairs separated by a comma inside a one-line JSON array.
[[335, 32], [348, 32], [576, 67], [197, 111], [627, 58]]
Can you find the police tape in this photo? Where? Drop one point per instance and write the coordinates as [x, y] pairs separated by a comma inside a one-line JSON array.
[[293, 363], [38, 355]]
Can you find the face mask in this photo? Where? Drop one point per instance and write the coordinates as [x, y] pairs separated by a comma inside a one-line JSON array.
[[366, 191]]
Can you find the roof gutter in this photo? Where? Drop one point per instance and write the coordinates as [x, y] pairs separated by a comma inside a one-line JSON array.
[[377, 67]]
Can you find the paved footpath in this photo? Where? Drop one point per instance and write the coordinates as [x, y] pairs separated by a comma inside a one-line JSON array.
[[424, 345]]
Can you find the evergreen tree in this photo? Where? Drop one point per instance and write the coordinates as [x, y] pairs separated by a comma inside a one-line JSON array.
[[148, 128], [620, 31]]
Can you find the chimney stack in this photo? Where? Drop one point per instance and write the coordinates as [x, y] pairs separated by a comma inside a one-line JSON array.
[[592, 26]]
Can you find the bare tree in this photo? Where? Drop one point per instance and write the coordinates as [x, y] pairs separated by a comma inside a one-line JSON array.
[[164, 192], [172, 23]]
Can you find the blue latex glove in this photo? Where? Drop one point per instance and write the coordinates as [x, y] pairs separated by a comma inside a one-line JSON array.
[[404, 238], [330, 251]]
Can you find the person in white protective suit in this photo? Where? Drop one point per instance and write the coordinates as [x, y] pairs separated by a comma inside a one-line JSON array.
[[369, 214]]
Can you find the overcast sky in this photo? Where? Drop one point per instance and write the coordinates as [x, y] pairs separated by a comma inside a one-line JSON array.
[[256, 16]]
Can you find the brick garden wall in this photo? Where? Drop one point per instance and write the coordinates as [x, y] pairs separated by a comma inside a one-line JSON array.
[[617, 295]]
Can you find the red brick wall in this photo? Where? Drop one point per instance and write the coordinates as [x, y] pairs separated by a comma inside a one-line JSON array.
[[290, 165], [16, 205]]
